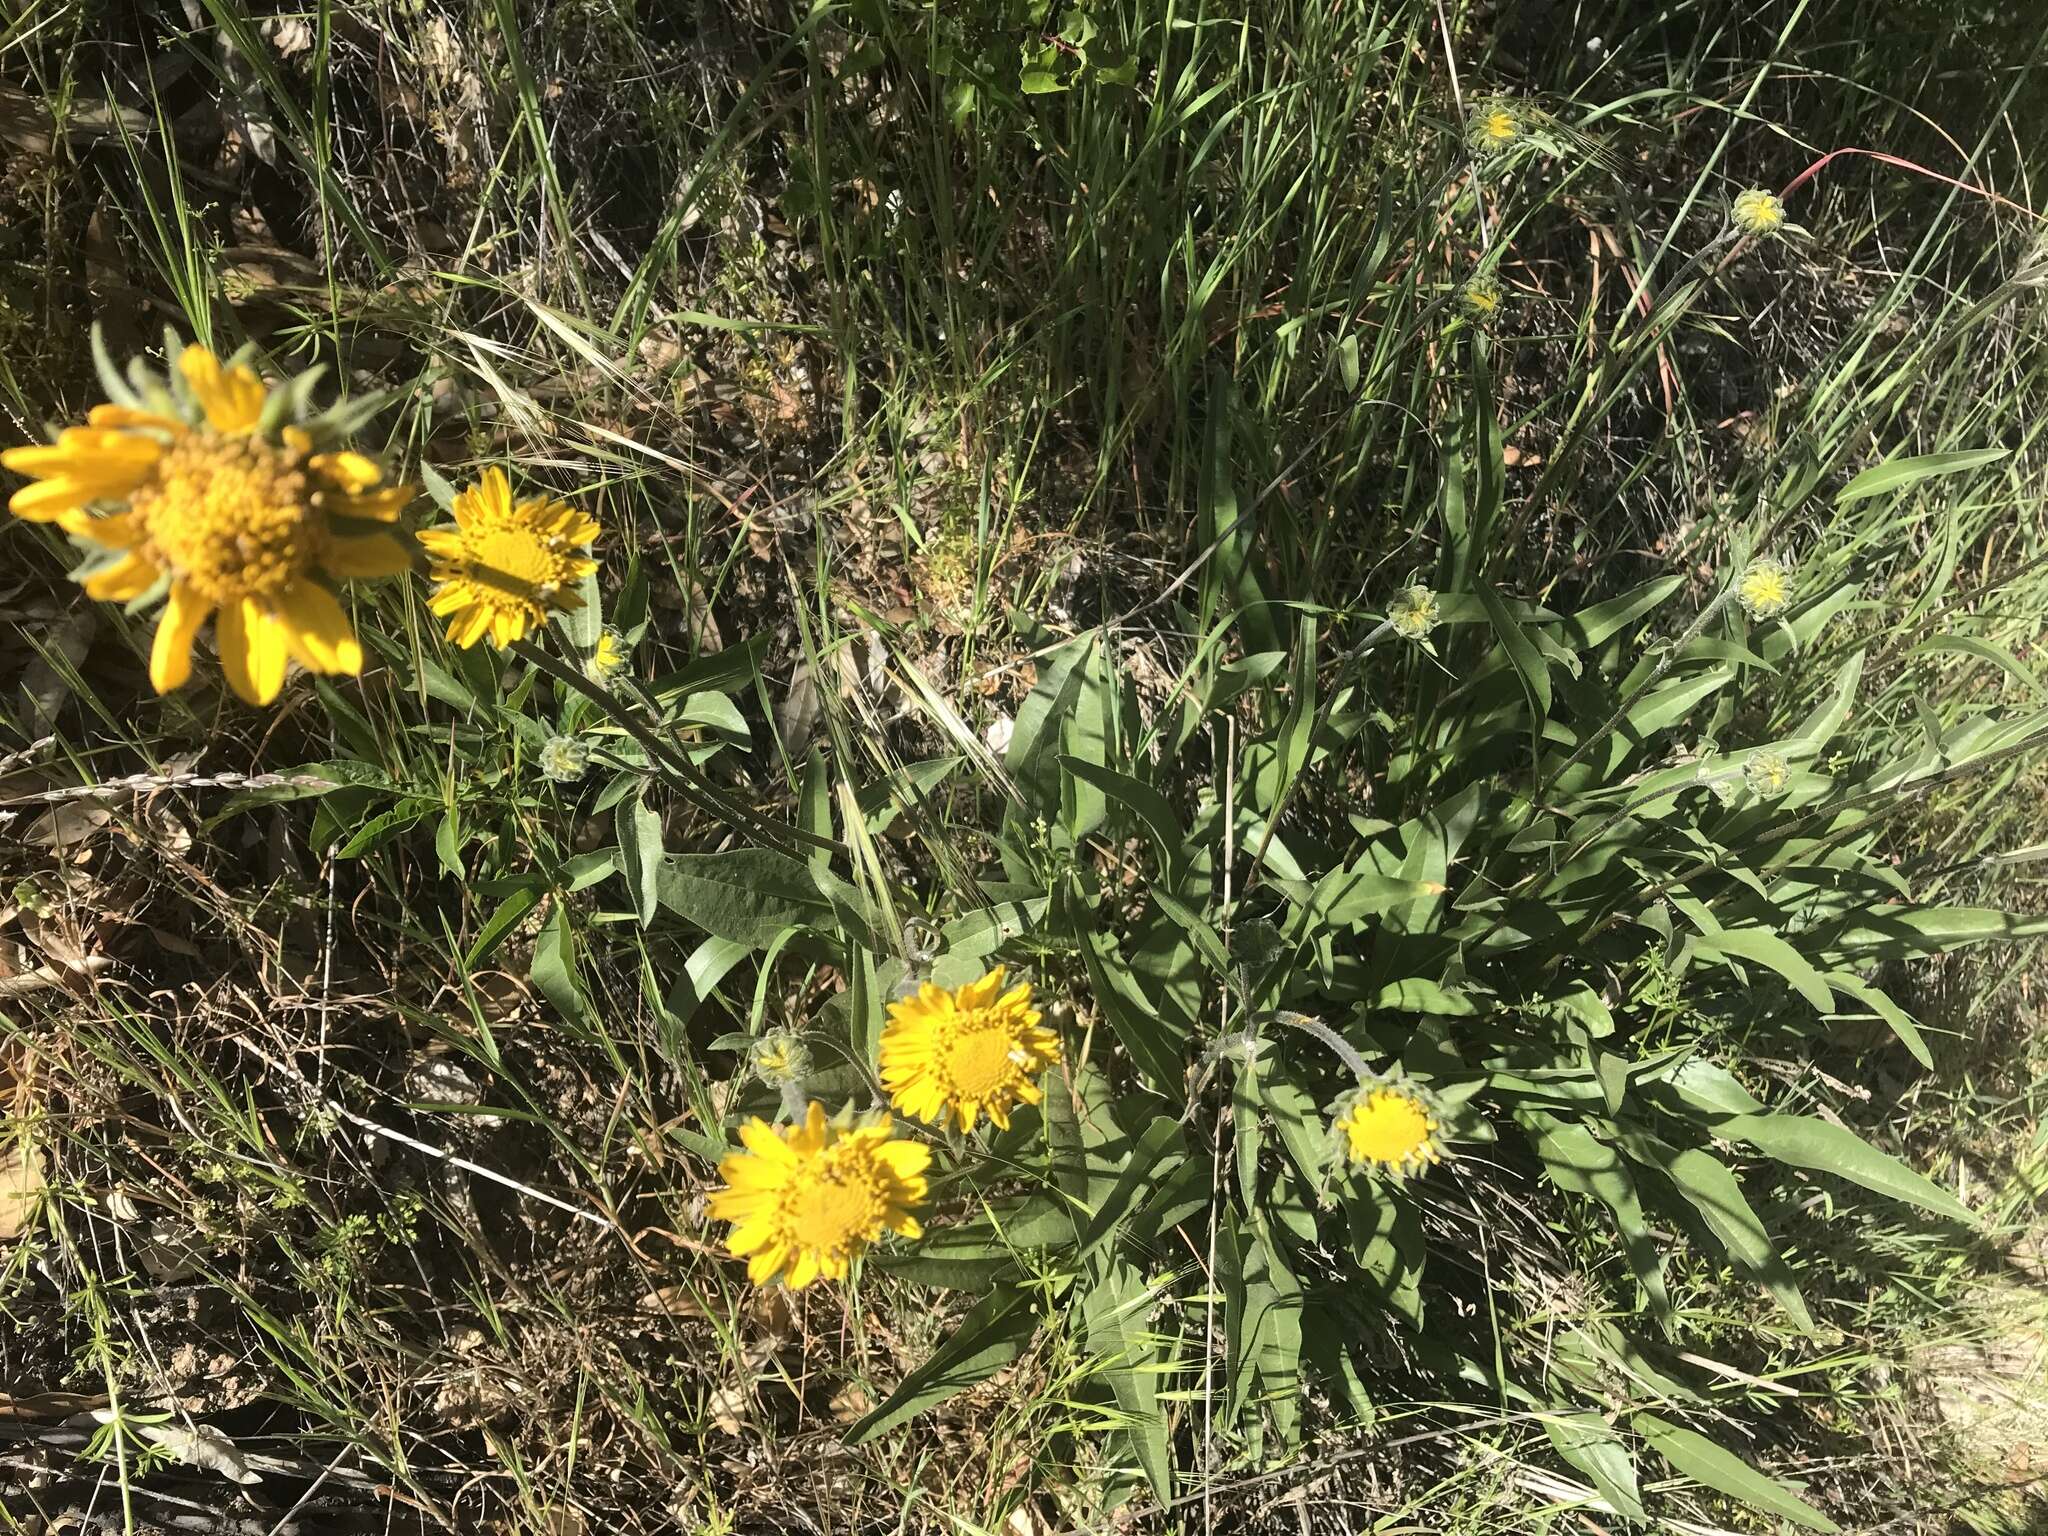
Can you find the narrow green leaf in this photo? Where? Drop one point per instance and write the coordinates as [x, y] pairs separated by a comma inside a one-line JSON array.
[[1806, 1142], [1767, 949], [1714, 1193], [1584, 1440], [1150, 807], [1578, 1161], [554, 965], [1897, 474], [1589, 627], [1527, 661], [510, 914], [1725, 1472], [995, 1333], [1116, 1307], [1880, 1003]]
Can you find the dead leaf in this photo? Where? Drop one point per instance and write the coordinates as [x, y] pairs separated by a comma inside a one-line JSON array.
[[21, 1162], [728, 1407], [21, 1182], [850, 1403], [68, 826], [672, 1301], [199, 1445]]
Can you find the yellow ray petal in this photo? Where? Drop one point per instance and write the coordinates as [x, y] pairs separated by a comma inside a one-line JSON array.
[[130, 576], [170, 655], [490, 498], [231, 397], [317, 630], [253, 652], [128, 416], [366, 555], [350, 471], [374, 506]]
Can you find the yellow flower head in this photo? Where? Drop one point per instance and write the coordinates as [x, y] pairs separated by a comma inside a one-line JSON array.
[[778, 1058], [1480, 298], [1494, 126], [565, 759], [1757, 212], [1388, 1126], [805, 1200], [965, 1053], [200, 487], [504, 567], [1765, 588]]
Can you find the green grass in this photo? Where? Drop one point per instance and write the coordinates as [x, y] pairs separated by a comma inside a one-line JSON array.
[[905, 386]]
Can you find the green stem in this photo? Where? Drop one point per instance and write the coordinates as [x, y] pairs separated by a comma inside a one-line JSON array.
[[663, 755]]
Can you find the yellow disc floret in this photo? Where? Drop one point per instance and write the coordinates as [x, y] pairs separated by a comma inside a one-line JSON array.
[[804, 1201], [967, 1052], [1765, 588]]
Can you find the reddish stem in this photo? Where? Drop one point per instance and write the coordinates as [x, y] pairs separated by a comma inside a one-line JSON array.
[[1806, 175]]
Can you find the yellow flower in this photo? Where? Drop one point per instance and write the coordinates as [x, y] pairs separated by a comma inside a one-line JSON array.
[[779, 1058], [965, 1053], [232, 519], [1757, 212], [1480, 298], [503, 568], [1765, 588], [1494, 126], [1388, 1126], [804, 1201]]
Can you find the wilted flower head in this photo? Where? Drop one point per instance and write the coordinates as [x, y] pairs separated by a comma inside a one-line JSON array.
[[1387, 1126], [564, 759], [1496, 124], [1413, 612], [1480, 298], [1765, 588], [1766, 773], [1757, 212]]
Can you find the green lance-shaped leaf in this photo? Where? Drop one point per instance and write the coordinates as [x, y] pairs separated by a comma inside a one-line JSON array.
[[1767, 949], [1712, 1191], [640, 854], [748, 895], [1578, 1161], [1722, 1470], [1897, 474], [1584, 1440], [995, 1333], [1116, 1307], [1806, 1142]]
